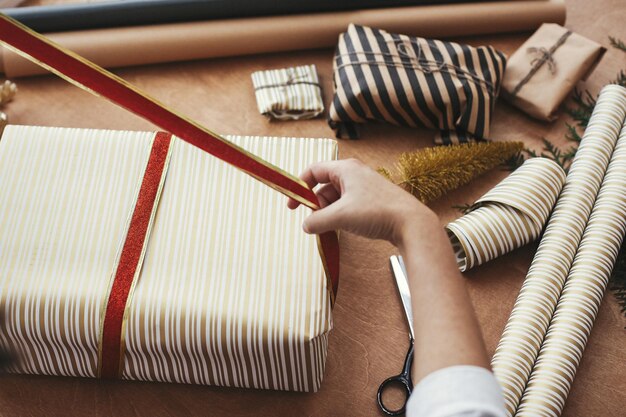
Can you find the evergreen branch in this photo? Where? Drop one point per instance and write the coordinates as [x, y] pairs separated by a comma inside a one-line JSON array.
[[585, 103], [621, 79], [572, 134], [463, 208], [617, 43], [514, 162]]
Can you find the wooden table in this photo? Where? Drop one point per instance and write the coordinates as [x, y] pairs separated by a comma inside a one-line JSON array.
[[369, 340]]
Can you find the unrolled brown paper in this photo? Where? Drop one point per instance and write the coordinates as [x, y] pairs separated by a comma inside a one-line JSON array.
[[141, 45]]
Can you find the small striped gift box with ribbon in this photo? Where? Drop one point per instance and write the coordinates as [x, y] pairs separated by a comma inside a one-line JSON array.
[[411, 81], [289, 93]]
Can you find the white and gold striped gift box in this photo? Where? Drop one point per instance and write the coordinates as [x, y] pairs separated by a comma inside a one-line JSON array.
[[528, 324], [289, 93], [509, 216], [231, 292], [561, 351]]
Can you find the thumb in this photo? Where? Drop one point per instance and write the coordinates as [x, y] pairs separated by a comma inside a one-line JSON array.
[[324, 220]]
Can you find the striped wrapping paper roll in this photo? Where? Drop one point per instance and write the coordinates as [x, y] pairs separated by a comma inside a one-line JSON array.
[[289, 93], [561, 351], [509, 216], [411, 81], [527, 326]]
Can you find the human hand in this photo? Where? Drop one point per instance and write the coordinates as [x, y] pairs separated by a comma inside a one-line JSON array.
[[357, 199]]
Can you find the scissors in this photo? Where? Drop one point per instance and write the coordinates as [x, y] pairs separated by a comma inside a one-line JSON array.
[[403, 380]]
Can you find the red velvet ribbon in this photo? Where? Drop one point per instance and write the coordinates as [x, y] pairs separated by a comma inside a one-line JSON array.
[[129, 260], [98, 81]]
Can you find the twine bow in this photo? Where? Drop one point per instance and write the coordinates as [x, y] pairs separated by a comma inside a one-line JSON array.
[[417, 61], [292, 79], [542, 56]]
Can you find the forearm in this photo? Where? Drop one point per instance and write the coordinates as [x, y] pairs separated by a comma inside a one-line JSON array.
[[446, 329]]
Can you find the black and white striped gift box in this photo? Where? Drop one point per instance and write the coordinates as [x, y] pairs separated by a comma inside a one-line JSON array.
[[411, 81]]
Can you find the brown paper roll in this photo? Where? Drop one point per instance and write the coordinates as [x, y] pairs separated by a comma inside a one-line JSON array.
[[140, 45]]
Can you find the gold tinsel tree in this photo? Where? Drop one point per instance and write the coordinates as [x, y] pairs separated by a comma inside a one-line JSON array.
[[429, 173]]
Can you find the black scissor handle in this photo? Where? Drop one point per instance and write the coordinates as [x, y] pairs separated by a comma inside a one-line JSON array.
[[394, 380], [404, 380]]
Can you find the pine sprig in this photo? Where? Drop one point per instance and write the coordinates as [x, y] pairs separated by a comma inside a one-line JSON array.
[[617, 43], [463, 208], [431, 172], [584, 104]]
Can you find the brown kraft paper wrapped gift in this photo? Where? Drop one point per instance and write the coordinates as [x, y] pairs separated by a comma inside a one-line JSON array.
[[543, 71]]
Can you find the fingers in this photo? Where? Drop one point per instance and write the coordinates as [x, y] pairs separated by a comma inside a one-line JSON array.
[[319, 173], [325, 219], [330, 173], [327, 195]]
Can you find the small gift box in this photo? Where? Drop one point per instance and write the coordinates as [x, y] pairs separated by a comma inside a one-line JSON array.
[[289, 93], [410, 81], [224, 288], [545, 69]]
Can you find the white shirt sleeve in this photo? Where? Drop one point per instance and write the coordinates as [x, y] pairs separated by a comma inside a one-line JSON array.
[[457, 391]]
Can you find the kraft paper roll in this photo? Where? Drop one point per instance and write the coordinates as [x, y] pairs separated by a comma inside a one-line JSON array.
[[116, 13], [120, 47], [509, 216], [527, 326], [561, 351]]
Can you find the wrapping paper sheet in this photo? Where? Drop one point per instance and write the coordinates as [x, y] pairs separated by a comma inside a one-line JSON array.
[[114, 13], [509, 216], [231, 292], [561, 351], [527, 326], [119, 47]]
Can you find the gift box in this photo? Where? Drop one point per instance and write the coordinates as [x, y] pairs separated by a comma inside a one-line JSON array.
[[546, 68], [412, 81], [225, 288], [292, 93]]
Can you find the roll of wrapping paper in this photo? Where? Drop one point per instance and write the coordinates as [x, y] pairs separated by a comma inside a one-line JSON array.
[[120, 47], [562, 349], [101, 14], [527, 326], [509, 216]]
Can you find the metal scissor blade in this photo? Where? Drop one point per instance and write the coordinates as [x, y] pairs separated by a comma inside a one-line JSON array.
[[402, 282]]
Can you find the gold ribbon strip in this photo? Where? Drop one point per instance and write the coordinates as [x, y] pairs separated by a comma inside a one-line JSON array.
[[509, 216]]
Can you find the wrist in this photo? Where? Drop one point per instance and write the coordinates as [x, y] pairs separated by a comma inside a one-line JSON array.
[[417, 223]]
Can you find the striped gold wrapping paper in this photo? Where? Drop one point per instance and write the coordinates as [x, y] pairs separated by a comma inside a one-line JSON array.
[[576, 311], [527, 326], [231, 293], [289, 93], [509, 216]]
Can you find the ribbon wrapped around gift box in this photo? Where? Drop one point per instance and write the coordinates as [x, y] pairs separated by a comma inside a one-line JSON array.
[[103, 277], [228, 290]]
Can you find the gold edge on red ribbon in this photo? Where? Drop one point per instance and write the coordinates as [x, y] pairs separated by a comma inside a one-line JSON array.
[[153, 213], [118, 255], [158, 103]]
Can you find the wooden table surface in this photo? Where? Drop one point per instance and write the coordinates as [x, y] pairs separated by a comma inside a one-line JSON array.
[[368, 342]]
